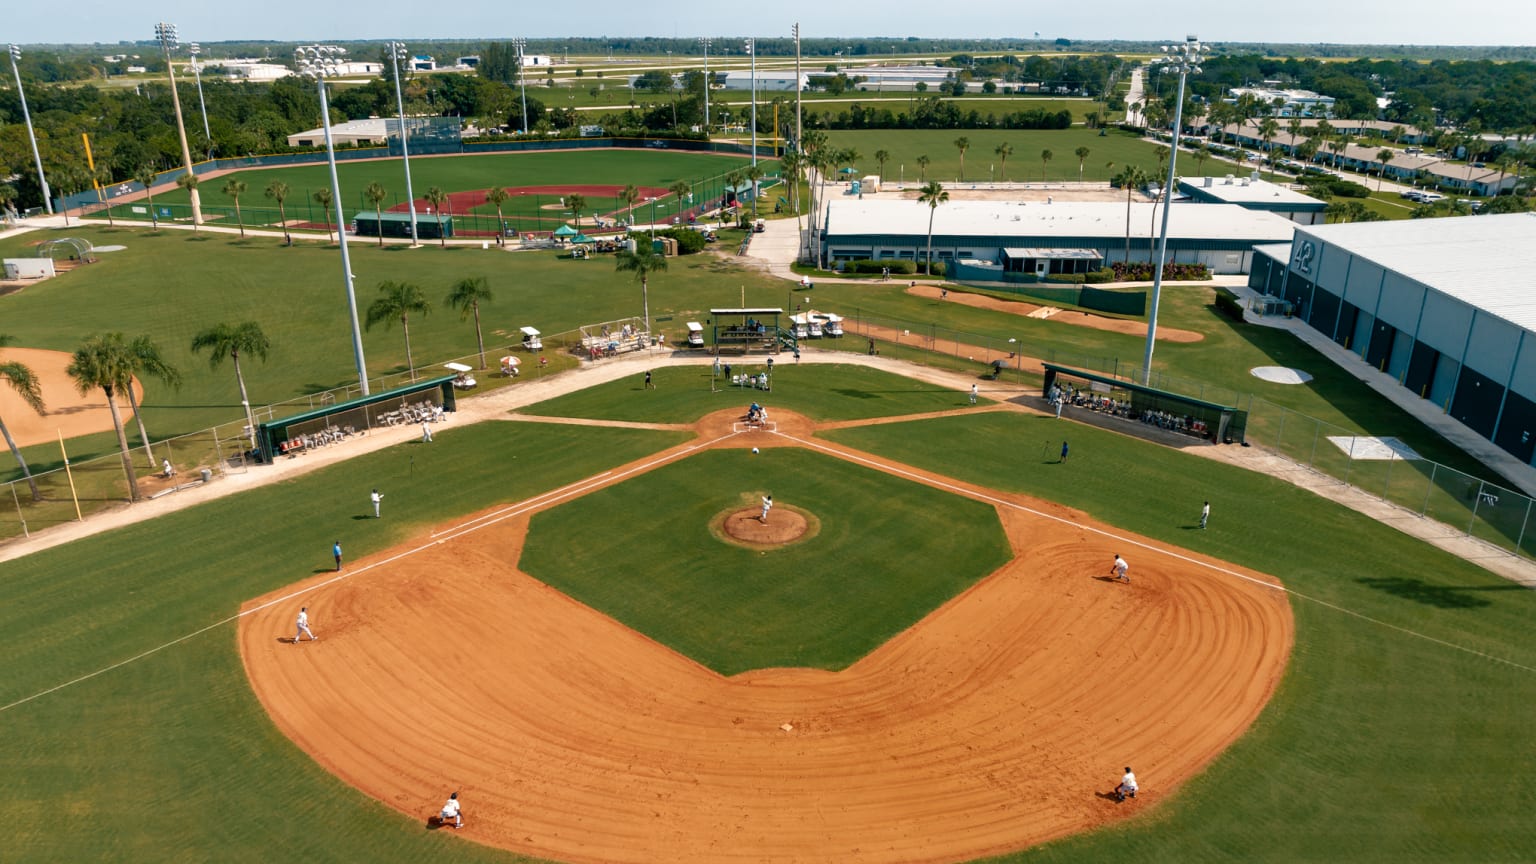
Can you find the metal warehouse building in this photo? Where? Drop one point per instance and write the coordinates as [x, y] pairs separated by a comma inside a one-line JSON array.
[[1446, 306], [1221, 236]]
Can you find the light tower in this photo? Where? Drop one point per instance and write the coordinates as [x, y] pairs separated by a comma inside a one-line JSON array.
[[521, 45], [27, 115], [704, 40], [751, 46], [319, 61], [798, 88], [194, 49], [1184, 59], [166, 34], [397, 53]]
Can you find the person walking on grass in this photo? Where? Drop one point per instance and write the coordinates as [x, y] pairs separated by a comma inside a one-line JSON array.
[[1205, 515], [426, 432], [336, 553], [974, 391], [1064, 451], [301, 626], [376, 497]]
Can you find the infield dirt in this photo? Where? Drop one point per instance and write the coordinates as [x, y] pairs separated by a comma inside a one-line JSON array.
[[1000, 720]]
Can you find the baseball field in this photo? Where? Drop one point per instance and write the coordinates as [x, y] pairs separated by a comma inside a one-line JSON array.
[[555, 619]]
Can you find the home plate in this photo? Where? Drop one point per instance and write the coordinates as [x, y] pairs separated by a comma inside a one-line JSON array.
[[1373, 448], [788, 727], [1280, 374]]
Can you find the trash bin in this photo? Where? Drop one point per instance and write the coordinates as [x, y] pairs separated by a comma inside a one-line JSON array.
[[207, 475]]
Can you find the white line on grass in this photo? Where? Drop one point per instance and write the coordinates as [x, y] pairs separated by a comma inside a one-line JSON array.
[[893, 469], [525, 506]]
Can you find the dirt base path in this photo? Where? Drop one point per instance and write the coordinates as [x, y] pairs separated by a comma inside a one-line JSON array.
[[1000, 720], [1062, 316]]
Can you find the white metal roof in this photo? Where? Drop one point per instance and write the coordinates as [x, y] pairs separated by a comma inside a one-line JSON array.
[[1246, 190], [1007, 220], [1058, 254], [1279, 251], [1485, 261]]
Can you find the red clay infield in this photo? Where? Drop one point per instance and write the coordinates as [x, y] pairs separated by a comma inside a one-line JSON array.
[[998, 721]]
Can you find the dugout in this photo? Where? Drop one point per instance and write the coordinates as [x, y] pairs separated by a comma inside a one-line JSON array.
[[431, 227], [745, 331], [1174, 412], [407, 404]]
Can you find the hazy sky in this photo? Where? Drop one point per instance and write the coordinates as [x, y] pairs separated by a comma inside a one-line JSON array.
[[1498, 22]]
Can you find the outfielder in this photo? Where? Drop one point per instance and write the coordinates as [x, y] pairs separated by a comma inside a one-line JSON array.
[[301, 626]]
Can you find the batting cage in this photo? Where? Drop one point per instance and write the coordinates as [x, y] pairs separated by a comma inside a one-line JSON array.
[[424, 135], [425, 401], [1173, 412]]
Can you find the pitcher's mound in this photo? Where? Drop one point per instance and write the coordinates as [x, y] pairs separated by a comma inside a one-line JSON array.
[[785, 525]]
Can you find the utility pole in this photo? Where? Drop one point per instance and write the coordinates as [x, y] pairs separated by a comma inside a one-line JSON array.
[[520, 44], [704, 40], [752, 51], [42, 180], [798, 88]]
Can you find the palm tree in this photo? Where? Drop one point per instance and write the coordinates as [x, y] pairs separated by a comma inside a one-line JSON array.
[[226, 340], [189, 182], [375, 194], [71, 179], [642, 262], [577, 204], [497, 196], [466, 296], [630, 195], [324, 198], [26, 384], [399, 300], [1131, 178], [102, 177], [922, 168], [1384, 155], [1202, 153], [8, 194], [682, 190], [792, 164], [1082, 159], [277, 190], [962, 144], [1045, 158], [435, 197], [104, 362], [1003, 151], [754, 173], [882, 157], [234, 189], [148, 363], [1267, 130], [933, 194], [146, 177], [733, 180]]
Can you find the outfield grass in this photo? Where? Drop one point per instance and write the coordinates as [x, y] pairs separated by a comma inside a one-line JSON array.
[[1378, 746], [821, 603]]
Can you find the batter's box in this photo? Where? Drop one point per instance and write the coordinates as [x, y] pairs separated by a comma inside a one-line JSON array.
[[740, 426], [1369, 447]]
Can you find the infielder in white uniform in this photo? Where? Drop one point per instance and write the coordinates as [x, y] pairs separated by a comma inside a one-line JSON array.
[[301, 626], [1127, 785], [451, 812], [1118, 571]]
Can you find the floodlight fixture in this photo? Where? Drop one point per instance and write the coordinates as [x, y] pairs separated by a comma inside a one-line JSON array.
[[166, 35], [397, 52], [42, 179]]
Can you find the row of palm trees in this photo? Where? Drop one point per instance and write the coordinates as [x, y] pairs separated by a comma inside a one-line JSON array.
[[110, 362]]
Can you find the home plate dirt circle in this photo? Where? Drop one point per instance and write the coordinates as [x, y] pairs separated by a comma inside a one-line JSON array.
[[784, 525], [1001, 719]]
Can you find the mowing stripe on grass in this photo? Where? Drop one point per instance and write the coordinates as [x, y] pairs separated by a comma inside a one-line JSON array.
[[883, 466], [525, 506]]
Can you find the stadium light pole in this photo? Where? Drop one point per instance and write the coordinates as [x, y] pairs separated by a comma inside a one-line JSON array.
[[521, 45], [751, 45], [194, 49], [166, 35], [1184, 59], [704, 40], [27, 115], [396, 54], [798, 88], [318, 61]]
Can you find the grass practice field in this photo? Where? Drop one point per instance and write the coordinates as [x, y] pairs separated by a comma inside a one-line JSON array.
[[1406, 660]]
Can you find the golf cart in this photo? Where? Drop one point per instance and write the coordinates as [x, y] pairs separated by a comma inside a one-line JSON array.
[[465, 380], [695, 334], [531, 341]]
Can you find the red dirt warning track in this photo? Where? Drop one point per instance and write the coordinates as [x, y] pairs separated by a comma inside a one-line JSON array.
[[996, 722]]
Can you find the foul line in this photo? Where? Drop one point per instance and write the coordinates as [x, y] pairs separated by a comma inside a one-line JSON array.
[[576, 489], [971, 493]]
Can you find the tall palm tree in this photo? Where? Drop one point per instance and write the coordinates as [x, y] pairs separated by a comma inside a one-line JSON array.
[[497, 196], [629, 196], [792, 164], [466, 295], [148, 362], [682, 190], [933, 194], [922, 168], [577, 204], [234, 189], [435, 197], [27, 385], [1268, 128], [1003, 151], [71, 179], [278, 191], [1384, 155], [1045, 159], [103, 362], [102, 177], [754, 173], [1082, 154], [1131, 177], [375, 194], [324, 198], [881, 157], [962, 144], [145, 177], [399, 300], [227, 340], [1202, 153], [642, 262], [190, 183], [733, 180]]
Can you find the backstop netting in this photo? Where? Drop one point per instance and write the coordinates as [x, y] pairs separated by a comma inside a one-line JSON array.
[[426, 135]]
